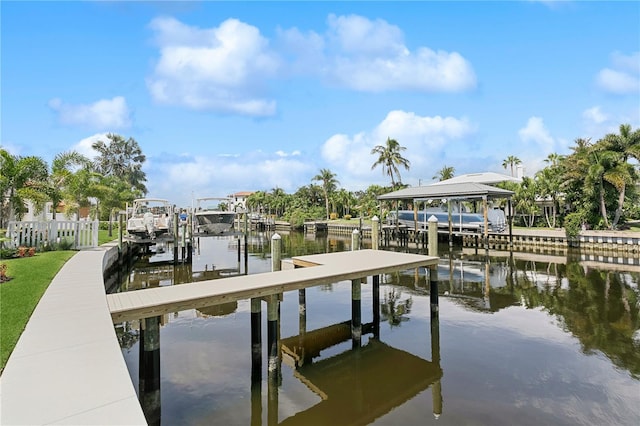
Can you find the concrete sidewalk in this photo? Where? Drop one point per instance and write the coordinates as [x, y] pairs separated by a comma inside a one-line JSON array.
[[67, 367]]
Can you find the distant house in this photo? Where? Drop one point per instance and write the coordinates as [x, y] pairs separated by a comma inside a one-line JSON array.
[[47, 213], [239, 201]]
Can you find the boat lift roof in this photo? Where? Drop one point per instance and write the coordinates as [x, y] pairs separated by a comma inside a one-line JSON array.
[[452, 191]]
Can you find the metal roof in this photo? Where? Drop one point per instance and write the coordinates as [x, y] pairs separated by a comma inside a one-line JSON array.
[[486, 178], [449, 191]]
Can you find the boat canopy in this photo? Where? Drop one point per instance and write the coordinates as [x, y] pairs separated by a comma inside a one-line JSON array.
[[453, 191]]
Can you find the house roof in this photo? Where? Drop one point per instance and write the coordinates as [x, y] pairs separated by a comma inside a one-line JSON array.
[[486, 178], [449, 191]]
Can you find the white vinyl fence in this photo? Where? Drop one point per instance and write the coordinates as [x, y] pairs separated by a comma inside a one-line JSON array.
[[81, 233]]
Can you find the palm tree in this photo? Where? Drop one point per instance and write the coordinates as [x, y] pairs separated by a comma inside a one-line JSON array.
[[511, 161], [21, 178], [62, 173], [329, 183], [627, 145], [122, 158], [390, 157], [446, 172]]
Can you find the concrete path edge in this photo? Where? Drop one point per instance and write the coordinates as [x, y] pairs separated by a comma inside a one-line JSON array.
[[67, 367]]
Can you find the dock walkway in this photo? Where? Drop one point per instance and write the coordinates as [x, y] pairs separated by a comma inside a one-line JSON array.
[[67, 367], [327, 268]]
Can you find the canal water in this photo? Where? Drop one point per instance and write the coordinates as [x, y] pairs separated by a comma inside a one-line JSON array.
[[521, 338]]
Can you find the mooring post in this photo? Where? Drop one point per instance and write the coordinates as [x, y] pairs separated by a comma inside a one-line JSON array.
[[176, 217], [256, 340], [276, 252], [302, 320], [433, 251], [149, 369], [376, 306], [375, 232], [355, 240], [184, 243], [356, 313], [120, 231], [190, 240], [246, 243]]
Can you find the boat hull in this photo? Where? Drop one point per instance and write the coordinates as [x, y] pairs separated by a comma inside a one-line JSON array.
[[214, 222]]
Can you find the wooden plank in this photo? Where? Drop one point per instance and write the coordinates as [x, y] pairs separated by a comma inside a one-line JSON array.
[[331, 268]]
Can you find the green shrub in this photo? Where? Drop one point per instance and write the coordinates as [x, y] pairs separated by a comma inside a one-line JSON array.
[[347, 217], [65, 244], [573, 225], [7, 253]]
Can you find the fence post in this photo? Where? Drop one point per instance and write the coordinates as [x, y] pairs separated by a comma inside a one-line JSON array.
[[94, 239]]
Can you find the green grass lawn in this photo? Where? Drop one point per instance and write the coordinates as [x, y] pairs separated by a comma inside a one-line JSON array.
[[19, 297], [103, 236]]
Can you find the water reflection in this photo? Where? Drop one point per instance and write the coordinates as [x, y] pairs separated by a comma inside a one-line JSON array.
[[509, 323]]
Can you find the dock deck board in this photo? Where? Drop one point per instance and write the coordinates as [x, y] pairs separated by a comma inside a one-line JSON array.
[[330, 268]]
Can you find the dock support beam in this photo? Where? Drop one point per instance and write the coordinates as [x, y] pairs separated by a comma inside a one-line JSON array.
[[273, 366], [149, 369]]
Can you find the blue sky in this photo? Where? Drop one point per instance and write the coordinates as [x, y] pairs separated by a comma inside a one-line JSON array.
[[234, 96]]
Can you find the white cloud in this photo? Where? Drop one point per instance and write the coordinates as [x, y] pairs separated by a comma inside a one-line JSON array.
[[227, 68], [371, 56], [623, 77], [84, 146], [223, 69], [176, 178], [537, 144], [536, 133], [105, 114], [595, 115], [426, 139]]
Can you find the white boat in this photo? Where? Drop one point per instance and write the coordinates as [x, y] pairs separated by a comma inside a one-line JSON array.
[[461, 220], [150, 218], [211, 216]]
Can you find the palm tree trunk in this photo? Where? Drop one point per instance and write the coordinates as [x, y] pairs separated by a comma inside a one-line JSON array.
[[326, 203], [603, 207], [616, 218]]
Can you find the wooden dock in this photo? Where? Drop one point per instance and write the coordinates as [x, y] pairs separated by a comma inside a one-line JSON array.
[[326, 269]]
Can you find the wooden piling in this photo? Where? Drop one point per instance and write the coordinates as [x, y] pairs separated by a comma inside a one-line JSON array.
[[356, 313], [433, 271], [276, 252]]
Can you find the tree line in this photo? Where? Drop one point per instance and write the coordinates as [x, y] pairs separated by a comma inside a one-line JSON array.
[[105, 184], [595, 186]]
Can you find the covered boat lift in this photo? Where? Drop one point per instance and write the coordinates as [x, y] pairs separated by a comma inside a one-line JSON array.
[[452, 192]]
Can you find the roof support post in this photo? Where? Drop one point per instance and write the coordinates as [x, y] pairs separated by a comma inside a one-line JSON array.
[[485, 207], [510, 220]]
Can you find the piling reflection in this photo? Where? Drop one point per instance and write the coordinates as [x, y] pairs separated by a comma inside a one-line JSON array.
[[359, 385], [149, 370]]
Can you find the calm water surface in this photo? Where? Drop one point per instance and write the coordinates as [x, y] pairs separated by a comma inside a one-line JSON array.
[[521, 339]]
